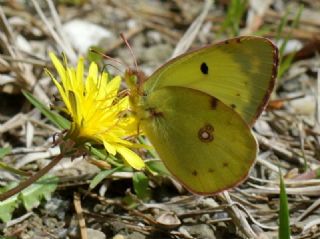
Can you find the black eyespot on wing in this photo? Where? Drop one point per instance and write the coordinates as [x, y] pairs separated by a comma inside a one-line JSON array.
[[210, 170], [204, 68], [194, 173]]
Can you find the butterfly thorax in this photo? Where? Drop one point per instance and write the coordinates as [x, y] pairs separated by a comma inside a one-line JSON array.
[[137, 97]]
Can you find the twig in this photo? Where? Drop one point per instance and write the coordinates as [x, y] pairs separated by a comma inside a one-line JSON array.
[[19, 219], [81, 221], [237, 216], [281, 152], [254, 220], [309, 210]]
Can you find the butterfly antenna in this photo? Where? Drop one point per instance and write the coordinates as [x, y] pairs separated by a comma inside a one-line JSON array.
[[130, 49], [105, 56], [107, 65]]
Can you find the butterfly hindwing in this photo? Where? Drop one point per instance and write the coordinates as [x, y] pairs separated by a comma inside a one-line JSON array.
[[205, 144]]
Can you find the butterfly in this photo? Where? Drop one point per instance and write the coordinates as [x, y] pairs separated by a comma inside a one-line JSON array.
[[197, 110]]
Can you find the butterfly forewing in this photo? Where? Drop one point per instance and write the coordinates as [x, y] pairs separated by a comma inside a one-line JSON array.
[[240, 72]]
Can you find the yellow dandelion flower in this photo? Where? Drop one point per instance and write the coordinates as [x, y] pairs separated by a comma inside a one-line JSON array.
[[97, 112]]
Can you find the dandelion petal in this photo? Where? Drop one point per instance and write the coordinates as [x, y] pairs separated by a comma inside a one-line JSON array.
[[131, 157]]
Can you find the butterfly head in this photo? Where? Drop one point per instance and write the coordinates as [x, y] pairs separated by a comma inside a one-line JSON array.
[[134, 80]]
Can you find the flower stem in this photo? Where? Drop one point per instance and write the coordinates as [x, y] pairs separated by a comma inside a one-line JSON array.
[[30, 180]]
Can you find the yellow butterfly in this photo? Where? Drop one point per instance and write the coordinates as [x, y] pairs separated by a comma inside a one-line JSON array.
[[197, 110]]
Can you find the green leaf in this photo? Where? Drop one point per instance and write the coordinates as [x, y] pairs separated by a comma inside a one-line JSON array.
[[317, 172], [231, 24], [29, 197], [4, 166], [54, 117], [7, 206], [42, 189], [284, 219], [285, 62], [282, 24], [4, 151], [102, 175], [157, 166], [130, 201], [13, 170], [92, 54], [141, 185], [103, 155]]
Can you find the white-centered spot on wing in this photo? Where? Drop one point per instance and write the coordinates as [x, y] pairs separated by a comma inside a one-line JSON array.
[[205, 133]]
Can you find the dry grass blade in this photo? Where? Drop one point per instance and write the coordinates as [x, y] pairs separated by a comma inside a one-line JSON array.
[[262, 159], [190, 35], [25, 77], [58, 26], [309, 210], [310, 190], [63, 44]]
